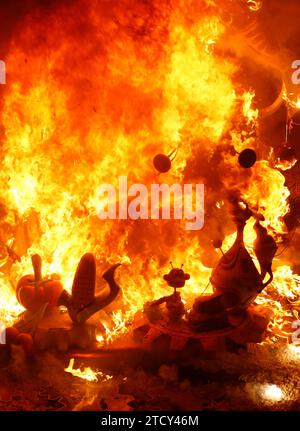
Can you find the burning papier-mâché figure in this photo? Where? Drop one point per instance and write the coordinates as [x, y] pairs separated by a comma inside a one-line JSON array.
[[176, 278], [226, 320], [236, 281], [43, 298]]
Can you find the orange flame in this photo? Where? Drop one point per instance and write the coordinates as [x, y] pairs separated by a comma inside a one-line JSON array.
[[86, 373]]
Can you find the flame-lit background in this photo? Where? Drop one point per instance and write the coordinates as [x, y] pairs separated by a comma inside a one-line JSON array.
[[95, 89]]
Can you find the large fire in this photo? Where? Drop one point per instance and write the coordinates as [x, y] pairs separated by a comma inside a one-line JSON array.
[[95, 94]]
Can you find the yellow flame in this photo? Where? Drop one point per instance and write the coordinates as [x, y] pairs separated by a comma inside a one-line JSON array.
[[248, 111], [292, 100], [86, 373], [285, 165]]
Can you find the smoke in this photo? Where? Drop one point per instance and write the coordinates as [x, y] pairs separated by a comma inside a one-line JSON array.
[[13, 13]]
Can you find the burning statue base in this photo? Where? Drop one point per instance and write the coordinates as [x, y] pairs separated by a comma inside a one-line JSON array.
[[179, 339]]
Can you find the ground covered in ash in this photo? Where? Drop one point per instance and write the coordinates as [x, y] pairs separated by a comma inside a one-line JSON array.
[[264, 378]]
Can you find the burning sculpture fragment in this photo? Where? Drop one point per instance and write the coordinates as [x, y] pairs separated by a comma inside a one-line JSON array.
[[227, 314], [33, 291], [83, 303], [176, 278], [43, 325]]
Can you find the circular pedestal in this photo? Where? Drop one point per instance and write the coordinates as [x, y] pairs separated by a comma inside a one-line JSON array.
[[165, 338]]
